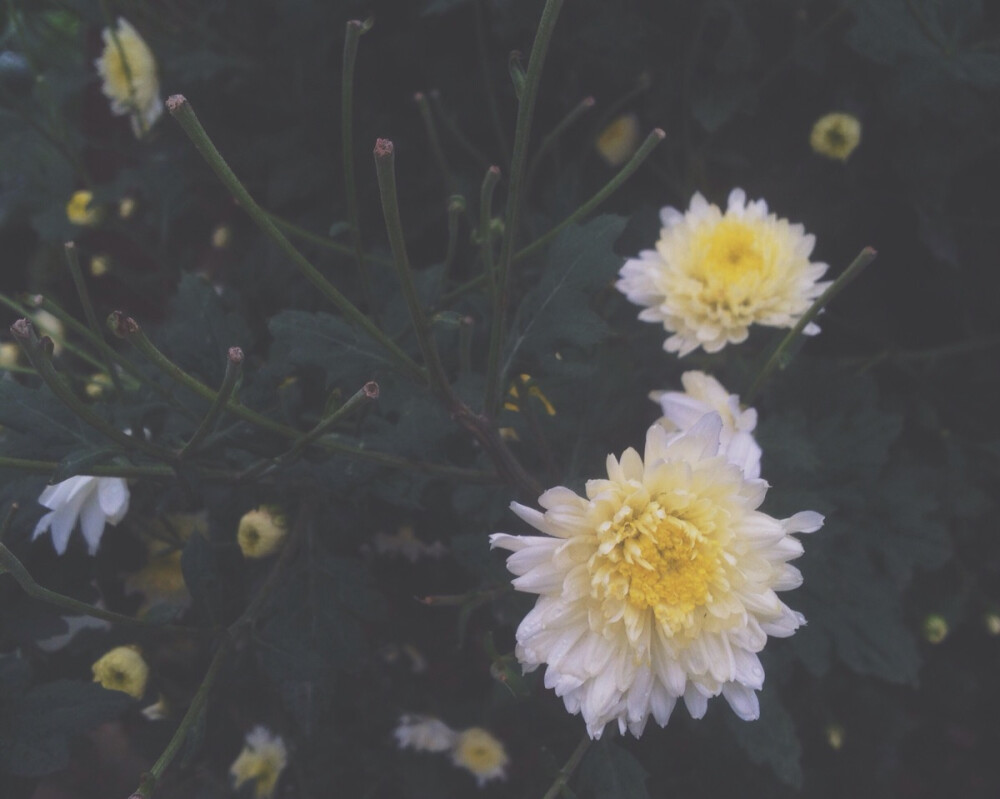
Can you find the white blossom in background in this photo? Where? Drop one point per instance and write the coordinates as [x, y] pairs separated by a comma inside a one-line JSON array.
[[704, 394], [95, 501], [128, 69], [659, 585], [714, 274], [424, 734]]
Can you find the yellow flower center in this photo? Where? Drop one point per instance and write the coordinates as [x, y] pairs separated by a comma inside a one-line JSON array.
[[659, 559], [730, 252]]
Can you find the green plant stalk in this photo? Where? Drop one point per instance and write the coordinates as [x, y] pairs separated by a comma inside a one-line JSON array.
[[26, 312], [652, 140], [355, 29], [567, 771], [455, 131], [110, 470], [553, 136], [856, 267], [435, 142], [322, 241], [9, 564], [73, 262], [25, 334], [368, 393], [182, 111], [485, 225], [234, 369], [131, 330], [460, 291], [491, 95], [522, 134], [385, 167], [456, 207]]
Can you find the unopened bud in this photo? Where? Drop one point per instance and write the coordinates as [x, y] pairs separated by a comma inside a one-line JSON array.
[[235, 355], [384, 148], [371, 390], [22, 330], [122, 325]]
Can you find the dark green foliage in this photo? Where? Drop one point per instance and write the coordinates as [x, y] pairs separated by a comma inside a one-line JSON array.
[[609, 771]]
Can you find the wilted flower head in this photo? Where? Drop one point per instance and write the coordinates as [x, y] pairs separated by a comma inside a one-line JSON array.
[[658, 585], [836, 135], [261, 762], [714, 274], [477, 751], [80, 210], [704, 394], [619, 140], [131, 82], [96, 501], [261, 532], [424, 734], [122, 669]]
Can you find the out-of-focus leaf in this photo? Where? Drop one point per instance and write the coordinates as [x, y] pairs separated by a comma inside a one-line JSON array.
[[771, 739], [610, 772]]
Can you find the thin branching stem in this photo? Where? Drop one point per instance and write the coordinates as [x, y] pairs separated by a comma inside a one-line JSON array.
[[490, 89], [456, 209], [182, 111], [554, 135], [437, 151], [28, 312], [73, 262], [486, 224], [355, 29], [609, 188], [777, 356], [234, 369], [562, 778], [522, 135]]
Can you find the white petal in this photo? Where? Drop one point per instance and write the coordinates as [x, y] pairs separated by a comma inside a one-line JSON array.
[[92, 524], [113, 495], [742, 700]]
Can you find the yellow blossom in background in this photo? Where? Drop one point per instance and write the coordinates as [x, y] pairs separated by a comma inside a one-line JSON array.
[[49, 325], [126, 207], [122, 669], [98, 385], [100, 264], [261, 532], [80, 210], [161, 580], [714, 274], [131, 83], [992, 623], [477, 751], [10, 354], [222, 237], [619, 140], [514, 394], [835, 737], [935, 628], [836, 136], [659, 585], [261, 762]]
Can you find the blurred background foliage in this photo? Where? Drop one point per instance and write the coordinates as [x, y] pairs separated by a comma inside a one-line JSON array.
[[886, 422]]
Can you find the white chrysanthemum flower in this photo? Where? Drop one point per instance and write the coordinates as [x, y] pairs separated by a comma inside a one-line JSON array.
[[424, 734], [704, 394], [131, 82], [95, 501], [713, 275], [659, 585], [481, 754], [260, 762]]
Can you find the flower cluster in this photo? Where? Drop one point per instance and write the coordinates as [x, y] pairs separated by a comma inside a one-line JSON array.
[[474, 749], [660, 584]]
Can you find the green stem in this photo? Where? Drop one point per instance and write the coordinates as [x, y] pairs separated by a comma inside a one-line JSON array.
[[73, 261], [465, 288], [456, 208], [367, 393], [322, 241], [491, 95], [435, 142], [486, 224], [182, 111], [553, 136], [454, 130], [234, 368], [522, 134], [28, 312], [567, 771], [857, 266], [10, 564], [386, 169], [355, 29], [610, 188], [26, 336], [129, 328]]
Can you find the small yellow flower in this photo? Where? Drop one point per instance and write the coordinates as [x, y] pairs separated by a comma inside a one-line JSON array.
[[835, 737], [511, 404], [935, 628], [477, 751], [127, 207], [80, 210], [10, 354], [222, 237], [992, 623], [98, 385], [161, 580], [619, 140], [261, 532], [836, 136], [99, 265], [49, 325], [131, 83], [122, 669], [261, 762]]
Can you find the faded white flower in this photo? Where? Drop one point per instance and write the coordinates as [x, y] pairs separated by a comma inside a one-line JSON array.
[[95, 501], [424, 734], [131, 82]]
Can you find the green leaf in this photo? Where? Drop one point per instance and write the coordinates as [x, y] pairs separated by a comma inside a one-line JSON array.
[[35, 729], [556, 313], [610, 772], [771, 740]]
